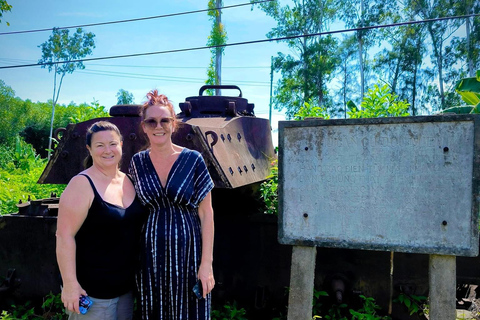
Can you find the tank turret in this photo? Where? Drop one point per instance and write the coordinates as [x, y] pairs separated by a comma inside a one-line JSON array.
[[236, 145]]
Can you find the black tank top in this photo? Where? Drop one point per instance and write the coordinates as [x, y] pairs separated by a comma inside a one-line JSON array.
[[107, 247]]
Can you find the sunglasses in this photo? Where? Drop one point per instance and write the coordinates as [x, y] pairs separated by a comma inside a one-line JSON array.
[[152, 123]]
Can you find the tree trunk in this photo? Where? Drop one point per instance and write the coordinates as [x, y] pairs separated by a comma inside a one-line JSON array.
[[345, 88], [397, 67], [305, 70], [415, 74], [50, 137], [471, 72], [320, 76], [437, 51], [360, 51]]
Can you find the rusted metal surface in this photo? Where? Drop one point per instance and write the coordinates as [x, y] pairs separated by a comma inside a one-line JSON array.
[[211, 106], [67, 160], [238, 151], [236, 145], [41, 207]]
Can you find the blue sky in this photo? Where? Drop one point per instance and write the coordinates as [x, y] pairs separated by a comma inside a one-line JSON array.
[[178, 75]]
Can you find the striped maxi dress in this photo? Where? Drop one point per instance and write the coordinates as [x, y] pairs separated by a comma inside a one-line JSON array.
[[171, 237]]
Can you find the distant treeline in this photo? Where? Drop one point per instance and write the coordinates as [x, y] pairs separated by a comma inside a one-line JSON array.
[[31, 120]]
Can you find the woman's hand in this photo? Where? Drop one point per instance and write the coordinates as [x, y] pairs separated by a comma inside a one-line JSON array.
[[71, 295], [205, 274]]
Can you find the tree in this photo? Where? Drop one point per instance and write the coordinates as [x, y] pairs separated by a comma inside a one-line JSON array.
[[400, 63], [364, 13], [62, 53], [345, 74], [216, 39], [4, 7], [307, 71], [13, 114], [466, 49], [379, 102], [124, 97], [439, 32]]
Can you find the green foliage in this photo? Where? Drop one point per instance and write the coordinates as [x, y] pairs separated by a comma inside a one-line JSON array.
[[60, 47], [32, 120], [211, 77], [216, 40], [414, 304], [4, 7], [269, 190], [22, 312], [124, 97], [13, 113], [336, 312], [317, 304], [469, 90], [20, 168], [368, 311], [51, 309], [75, 114], [379, 102], [37, 122], [63, 54], [309, 110], [306, 72], [229, 312]]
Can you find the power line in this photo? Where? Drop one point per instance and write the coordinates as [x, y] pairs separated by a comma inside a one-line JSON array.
[[245, 42], [169, 78], [145, 66], [172, 67], [135, 19]]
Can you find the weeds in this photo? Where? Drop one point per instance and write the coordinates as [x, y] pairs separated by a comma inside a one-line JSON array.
[[229, 312], [51, 309], [413, 303]]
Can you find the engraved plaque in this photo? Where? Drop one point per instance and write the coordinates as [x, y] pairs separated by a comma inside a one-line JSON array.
[[393, 184]]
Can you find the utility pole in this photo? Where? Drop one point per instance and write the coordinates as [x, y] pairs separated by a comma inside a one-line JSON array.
[[218, 50], [271, 85]]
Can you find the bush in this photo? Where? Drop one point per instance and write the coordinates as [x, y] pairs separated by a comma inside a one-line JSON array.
[[20, 168]]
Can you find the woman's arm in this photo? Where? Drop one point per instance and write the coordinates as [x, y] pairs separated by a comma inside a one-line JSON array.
[[72, 211], [205, 272]]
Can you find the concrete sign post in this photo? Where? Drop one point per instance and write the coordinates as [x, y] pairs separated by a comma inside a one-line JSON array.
[[302, 276], [391, 184], [442, 284]]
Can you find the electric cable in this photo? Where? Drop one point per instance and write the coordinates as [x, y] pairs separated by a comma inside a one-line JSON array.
[[144, 66], [246, 42], [167, 78], [135, 19]]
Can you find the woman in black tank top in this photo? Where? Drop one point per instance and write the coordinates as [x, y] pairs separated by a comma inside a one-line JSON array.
[[98, 228]]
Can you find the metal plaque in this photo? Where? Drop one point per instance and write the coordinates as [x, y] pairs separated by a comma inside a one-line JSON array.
[[394, 184]]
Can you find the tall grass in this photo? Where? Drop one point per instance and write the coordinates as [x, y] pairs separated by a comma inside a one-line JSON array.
[[20, 168]]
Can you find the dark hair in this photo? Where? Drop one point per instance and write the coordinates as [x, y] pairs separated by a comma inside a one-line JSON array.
[[94, 128]]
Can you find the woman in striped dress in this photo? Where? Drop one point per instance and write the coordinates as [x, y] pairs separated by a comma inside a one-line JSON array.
[[174, 183]]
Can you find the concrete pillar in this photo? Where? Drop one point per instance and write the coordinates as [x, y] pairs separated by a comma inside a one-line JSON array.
[[302, 276], [442, 284]]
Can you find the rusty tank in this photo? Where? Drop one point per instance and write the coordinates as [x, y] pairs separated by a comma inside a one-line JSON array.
[[250, 266]]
